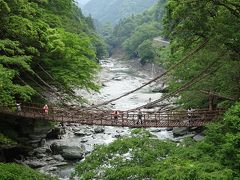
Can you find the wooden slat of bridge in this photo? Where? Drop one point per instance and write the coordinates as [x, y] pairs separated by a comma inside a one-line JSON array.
[[125, 119]]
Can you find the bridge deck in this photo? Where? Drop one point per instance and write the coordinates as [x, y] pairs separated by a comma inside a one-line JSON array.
[[125, 119]]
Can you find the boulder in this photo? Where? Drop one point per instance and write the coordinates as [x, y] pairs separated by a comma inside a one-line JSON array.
[[58, 157], [56, 133], [73, 153], [180, 131], [198, 137], [99, 130], [82, 133], [169, 129], [68, 152]]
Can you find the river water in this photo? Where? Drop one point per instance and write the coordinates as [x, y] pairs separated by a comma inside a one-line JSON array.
[[117, 77]]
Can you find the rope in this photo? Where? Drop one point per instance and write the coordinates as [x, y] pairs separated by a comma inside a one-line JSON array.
[[218, 95], [198, 78], [183, 60], [63, 89], [30, 86]]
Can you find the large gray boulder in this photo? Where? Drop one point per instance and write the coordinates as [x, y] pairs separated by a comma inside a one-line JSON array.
[[180, 131], [73, 153], [69, 152]]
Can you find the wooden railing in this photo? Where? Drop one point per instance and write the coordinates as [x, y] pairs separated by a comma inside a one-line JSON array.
[[182, 118]]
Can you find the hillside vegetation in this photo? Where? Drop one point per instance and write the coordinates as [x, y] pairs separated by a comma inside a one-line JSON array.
[[135, 34], [113, 10], [49, 34]]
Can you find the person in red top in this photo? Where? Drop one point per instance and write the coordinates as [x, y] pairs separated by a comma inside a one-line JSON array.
[[45, 109]]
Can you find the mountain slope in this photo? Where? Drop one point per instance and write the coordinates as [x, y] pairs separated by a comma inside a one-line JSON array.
[[81, 3], [114, 10]]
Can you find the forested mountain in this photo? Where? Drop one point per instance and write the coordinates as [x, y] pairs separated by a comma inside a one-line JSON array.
[[113, 10], [53, 35], [135, 33], [81, 3]]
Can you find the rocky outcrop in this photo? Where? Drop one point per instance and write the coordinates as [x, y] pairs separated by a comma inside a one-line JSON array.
[[25, 131]]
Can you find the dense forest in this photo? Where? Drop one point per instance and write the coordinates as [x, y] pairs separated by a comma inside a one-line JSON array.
[[111, 11], [49, 34]]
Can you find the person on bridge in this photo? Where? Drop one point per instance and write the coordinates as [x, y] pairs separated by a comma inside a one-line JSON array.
[[150, 100], [139, 115], [115, 115], [19, 109], [45, 109], [190, 114]]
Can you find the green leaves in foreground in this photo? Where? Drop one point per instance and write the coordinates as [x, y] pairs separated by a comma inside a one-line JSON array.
[[145, 157], [19, 172]]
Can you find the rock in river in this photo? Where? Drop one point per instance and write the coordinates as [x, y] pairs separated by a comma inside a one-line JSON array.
[[69, 152], [99, 130], [180, 131], [82, 133]]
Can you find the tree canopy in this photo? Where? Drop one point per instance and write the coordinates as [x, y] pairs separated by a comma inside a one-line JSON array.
[[189, 23], [52, 34]]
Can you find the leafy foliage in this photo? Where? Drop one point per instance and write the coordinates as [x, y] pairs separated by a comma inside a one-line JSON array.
[[6, 141], [54, 34], [189, 23], [15, 171]]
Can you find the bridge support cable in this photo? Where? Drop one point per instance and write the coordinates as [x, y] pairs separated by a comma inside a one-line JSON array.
[[195, 80], [174, 66], [25, 83], [217, 95], [60, 86], [29, 85]]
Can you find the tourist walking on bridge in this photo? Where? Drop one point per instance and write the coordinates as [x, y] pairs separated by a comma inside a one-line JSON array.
[[139, 115], [19, 109], [45, 109], [115, 115]]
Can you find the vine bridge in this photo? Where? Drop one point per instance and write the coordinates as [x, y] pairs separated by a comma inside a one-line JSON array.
[[183, 118]]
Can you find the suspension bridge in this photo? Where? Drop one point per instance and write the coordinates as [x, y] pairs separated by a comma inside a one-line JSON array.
[[197, 118]]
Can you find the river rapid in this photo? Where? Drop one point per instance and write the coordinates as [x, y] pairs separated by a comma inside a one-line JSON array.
[[116, 77]]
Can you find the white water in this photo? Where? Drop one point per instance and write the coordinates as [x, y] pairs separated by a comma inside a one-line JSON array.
[[118, 78]]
